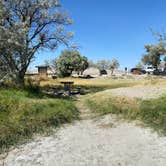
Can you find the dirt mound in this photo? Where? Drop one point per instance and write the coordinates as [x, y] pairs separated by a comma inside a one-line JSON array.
[[145, 92]]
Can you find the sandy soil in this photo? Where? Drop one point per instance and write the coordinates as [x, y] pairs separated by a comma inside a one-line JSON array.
[[104, 142], [96, 142], [144, 92]]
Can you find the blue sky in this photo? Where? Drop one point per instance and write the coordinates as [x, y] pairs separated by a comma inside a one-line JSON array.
[[112, 28]]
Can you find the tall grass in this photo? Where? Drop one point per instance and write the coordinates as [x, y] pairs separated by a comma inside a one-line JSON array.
[[152, 112], [149, 80], [23, 113]]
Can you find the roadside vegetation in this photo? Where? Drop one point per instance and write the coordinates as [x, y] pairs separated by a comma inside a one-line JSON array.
[[151, 112], [28, 111]]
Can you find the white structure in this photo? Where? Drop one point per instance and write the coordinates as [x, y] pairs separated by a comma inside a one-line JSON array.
[[94, 72]]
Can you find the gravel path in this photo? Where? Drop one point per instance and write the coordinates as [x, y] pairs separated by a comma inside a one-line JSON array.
[[95, 142]]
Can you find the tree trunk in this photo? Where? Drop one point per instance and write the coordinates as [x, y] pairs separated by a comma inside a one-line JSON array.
[[112, 71], [19, 80], [156, 67]]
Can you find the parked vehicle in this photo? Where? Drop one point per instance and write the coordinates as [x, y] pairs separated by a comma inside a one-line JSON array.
[[159, 72], [103, 72], [137, 71], [150, 70]]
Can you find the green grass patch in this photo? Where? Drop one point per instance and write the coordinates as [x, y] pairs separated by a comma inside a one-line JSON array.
[[25, 112], [152, 112]]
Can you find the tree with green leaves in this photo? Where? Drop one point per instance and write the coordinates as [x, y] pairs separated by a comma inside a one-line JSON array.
[[83, 65], [69, 61], [154, 52], [103, 64], [164, 63], [28, 26], [92, 63], [114, 64]]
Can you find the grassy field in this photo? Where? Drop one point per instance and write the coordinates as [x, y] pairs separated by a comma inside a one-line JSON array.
[[29, 111], [107, 81], [89, 82], [25, 112], [152, 112], [93, 85]]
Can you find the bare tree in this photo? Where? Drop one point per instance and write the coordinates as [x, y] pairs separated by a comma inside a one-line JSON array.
[[103, 64], [114, 64]]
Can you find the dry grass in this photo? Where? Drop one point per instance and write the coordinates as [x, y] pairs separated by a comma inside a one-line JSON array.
[[105, 81], [102, 83], [103, 104], [151, 111]]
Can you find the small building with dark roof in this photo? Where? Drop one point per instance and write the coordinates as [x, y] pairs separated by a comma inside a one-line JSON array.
[[43, 71]]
